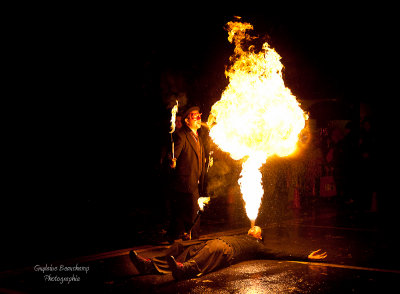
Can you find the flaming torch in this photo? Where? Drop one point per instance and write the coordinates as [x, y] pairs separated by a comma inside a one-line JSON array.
[[257, 115], [202, 202], [173, 119]]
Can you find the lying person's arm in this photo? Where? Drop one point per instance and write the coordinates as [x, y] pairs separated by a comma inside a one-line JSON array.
[[269, 253]]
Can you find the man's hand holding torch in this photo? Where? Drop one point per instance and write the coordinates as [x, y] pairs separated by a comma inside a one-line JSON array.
[[173, 163]]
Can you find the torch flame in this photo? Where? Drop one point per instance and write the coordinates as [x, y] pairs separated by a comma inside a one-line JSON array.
[[173, 117], [257, 116], [202, 201]]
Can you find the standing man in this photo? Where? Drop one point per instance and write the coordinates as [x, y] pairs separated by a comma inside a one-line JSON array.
[[188, 175]]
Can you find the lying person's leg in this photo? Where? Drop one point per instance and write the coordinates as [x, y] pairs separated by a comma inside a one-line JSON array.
[[213, 255]]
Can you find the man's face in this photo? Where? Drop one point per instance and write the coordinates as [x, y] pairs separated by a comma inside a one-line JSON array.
[[193, 120]]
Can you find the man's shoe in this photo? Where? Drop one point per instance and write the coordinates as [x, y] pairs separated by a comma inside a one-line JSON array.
[[186, 237], [176, 268], [143, 265], [181, 271]]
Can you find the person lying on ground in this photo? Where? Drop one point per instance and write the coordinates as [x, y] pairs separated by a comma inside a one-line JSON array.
[[200, 259]]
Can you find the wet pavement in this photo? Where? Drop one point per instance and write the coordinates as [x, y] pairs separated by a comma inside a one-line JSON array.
[[361, 258], [266, 276]]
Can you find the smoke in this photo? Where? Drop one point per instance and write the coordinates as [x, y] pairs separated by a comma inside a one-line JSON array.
[[173, 87], [170, 100], [224, 173]]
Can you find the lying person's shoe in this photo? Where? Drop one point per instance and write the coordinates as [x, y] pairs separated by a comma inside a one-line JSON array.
[[186, 237], [181, 271], [176, 268], [143, 265]]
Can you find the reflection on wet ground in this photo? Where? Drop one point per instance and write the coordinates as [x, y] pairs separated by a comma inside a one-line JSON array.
[[267, 276]]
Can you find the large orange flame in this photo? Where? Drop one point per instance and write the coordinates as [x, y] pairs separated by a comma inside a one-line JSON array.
[[257, 116]]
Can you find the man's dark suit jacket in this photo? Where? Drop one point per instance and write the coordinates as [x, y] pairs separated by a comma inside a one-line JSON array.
[[190, 163]]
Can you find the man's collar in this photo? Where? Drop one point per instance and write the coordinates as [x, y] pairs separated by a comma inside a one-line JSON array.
[[190, 130]]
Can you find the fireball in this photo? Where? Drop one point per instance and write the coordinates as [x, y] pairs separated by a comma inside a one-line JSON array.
[[257, 115]]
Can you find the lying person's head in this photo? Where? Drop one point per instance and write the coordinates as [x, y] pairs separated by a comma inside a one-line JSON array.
[[256, 232]]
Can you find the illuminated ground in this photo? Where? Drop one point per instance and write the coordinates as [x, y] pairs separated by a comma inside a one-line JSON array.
[[360, 261], [362, 258], [266, 276]]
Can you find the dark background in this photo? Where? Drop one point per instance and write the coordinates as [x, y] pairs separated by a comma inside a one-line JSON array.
[[89, 118]]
